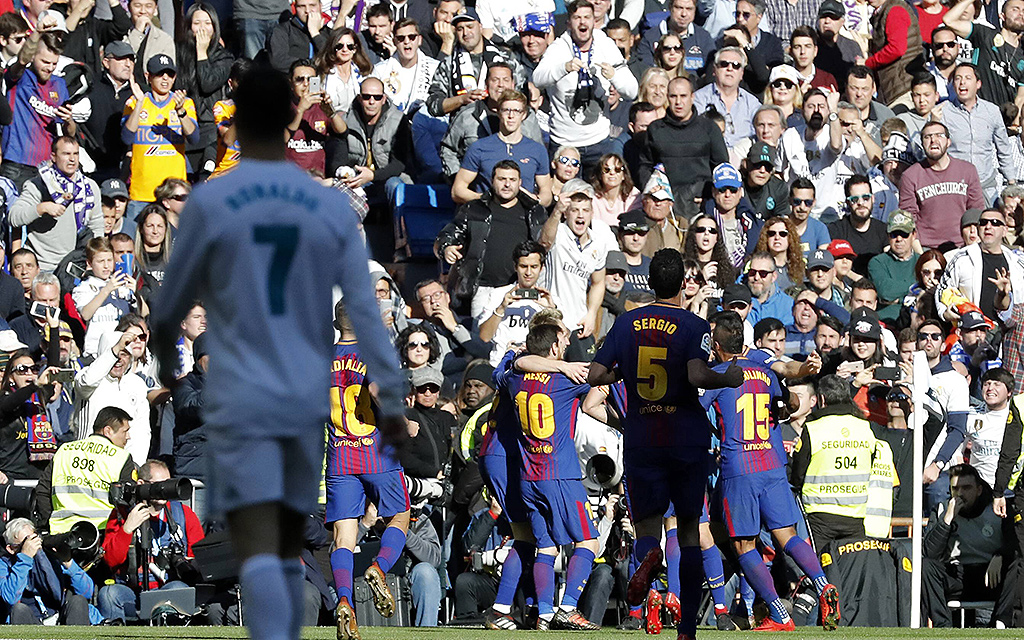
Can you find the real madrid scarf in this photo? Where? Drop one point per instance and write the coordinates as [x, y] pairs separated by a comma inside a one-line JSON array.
[[42, 444], [464, 76], [75, 192]]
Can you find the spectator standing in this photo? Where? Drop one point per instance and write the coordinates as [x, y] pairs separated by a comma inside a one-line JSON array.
[[945, 55], [87, 33], [300, 37], [38, 114], [203, 69], [481, 240], [939, 189], [803, 45], [997, 52], [255, 21], [379, 144], [104, 296], [866, 234], [407, 74], [535, 29], [861, 91], [152, 249], [157, 124], [633, 228], [895, 42], [734, 103], [379, 35], [800, 334], [657, 205], [508, 324], [929, 18], [836, 52], [578, 70], [58, 205], [696, 41], [312, 128], [31, 429], [986, 427], [893, 270], [821, 274], [101, 133], [24, 266], [812, 148], [924, 96], [687, 145], [976, 131], [146, 39]]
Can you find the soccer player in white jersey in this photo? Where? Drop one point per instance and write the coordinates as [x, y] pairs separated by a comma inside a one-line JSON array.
[[262, 247]]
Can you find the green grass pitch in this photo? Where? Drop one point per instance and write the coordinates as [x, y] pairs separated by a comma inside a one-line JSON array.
[[391, 633]]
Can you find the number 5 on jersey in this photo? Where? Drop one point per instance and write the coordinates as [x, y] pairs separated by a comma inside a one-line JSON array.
[[651, 377]]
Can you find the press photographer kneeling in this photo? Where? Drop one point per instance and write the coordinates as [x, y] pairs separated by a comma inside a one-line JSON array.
[[148, 542]]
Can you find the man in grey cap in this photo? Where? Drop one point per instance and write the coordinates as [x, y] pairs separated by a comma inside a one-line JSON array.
[[968, 229], [821, 275], [102, 131], [836, 53], [766, 192], [633, 229], [114, 201]]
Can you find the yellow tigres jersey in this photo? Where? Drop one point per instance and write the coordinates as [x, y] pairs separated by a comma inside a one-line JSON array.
[[158, 150], [227, 156]]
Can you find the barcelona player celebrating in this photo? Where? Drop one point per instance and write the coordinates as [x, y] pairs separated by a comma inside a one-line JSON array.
[[360, 471], [754, 486], [661, 352]]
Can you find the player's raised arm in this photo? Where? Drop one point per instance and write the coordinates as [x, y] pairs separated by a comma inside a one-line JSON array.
[[701, 375]]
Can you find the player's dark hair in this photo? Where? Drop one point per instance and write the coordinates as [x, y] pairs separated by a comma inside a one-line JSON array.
[[528, 247], [110, 417], [341, 320], [263, 105], [540, 339], [666, 273], [999, 374], [510, 165], [729, 332], [833, 391], [831, 322], [765, 326]]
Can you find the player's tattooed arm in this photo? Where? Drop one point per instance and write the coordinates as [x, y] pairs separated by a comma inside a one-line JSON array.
[[594, 405]]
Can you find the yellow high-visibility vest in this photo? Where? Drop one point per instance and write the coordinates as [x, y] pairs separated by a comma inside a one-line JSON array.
[[82, 473], [878, 518], [840, 467]]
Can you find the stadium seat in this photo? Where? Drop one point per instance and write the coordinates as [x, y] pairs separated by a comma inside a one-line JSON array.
[[423, 209], [963, 606]]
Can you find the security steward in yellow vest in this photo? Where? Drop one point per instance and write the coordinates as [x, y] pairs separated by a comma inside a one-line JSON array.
[[831, 466], [76, 486]]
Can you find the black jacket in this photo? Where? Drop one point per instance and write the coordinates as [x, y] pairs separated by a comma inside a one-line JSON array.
[[205, 82], [189, 434], [1009, 452], [102, 131], [689, 150], [426, 454], [83, 44], [471, 228], [290, 41]]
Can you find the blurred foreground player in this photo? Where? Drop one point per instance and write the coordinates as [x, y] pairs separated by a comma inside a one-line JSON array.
[[262, 247], [667, 434]]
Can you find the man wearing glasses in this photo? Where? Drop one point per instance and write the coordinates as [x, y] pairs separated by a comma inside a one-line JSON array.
[[945, 53], [314, 122], [767, 300], [763, 48], [736, 104], [697, 42], [739, 223], [765, 190], [865, 233], [407, 74], [937, 190], [379, 140]]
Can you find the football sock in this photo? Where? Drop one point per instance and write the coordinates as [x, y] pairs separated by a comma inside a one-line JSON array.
[[268, 607], [391, 544], [295, 578], [511, 570], [527, 552], [576, 575], [690, 586], [714, 571], [544, 578], [760, 578], [803, 554], [341, 567], [672, 561]]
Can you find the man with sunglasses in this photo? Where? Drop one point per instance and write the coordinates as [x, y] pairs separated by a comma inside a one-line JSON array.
[[407, 74], [945, 53], [763, 48], [813, 232], [892, 271], [736, 104], [13, 33], [633, 229], [737, 220], [865, 233], [379, 141], [997, 52], [767, 300], [937, 190], [766, 192]]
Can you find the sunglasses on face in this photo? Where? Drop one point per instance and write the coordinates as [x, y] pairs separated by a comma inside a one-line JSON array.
[[896, 396], [899, 234], [712, 230], [694, 277], [782, 84], [371, 97], [746, 15], [737, 306], [613, 169], [995, 222], [411, 37], [414, 345], [924, 337], [345, 46], [760, 273], [728, 190], [931, 272], [807, 202], [782, 233], [671, 47], [23, 369], [427, 388], [571, 162], [179, 197], [952, 44], [864, 197], [729, 64]]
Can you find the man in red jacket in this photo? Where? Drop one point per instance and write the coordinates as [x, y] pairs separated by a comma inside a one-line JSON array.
[[169, 527]]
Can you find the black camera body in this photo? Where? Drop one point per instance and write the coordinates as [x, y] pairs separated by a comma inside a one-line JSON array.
[[128, 494], [80, 541]]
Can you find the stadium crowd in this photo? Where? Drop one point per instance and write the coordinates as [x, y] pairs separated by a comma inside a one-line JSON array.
[[843, 175]]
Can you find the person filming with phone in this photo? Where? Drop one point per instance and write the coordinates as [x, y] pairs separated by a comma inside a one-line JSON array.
[[43, 311], [509, 322]]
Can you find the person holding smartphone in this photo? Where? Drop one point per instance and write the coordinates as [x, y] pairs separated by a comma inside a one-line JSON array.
[[104, 296], [508, 324]]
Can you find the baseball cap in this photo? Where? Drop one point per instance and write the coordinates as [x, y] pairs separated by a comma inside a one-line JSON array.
[[864, 324], [63, 331], [831, 9], [426, 375], [841, 249], [542, 22], [118, 49], [616, 261], [52, 15], [469, 14], [726, 175], [900, 220], [971, 216], [896, 148], [972, 320], [784, 72], [578, 185], [632, 221], [658, 187], [481, 371], [735, 293], [113, 188], [761, 153], [820, 259], [160, 63]]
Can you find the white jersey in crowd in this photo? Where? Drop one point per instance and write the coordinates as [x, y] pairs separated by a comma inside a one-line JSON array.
[[568, 267], [262, 247], [512, 330], [815, 159], [985, 434], [406, 88]]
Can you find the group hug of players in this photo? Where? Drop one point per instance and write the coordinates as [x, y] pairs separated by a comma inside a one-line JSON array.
[[658, 360]]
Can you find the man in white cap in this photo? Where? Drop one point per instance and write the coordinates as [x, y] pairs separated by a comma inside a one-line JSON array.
[[658, 202], [577, 247]]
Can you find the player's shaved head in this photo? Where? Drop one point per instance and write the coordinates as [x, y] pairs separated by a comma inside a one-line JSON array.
[[666, 273], [341, 320], [263, 103]]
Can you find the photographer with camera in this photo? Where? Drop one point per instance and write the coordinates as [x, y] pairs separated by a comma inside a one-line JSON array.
[[149, 541], [76, 486], [37, 587]]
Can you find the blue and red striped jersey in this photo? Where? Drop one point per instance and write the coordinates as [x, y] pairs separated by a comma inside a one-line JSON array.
[[751, 440], [545, 408], [30, 135], [353, 442], [500, 436], [651, 346]]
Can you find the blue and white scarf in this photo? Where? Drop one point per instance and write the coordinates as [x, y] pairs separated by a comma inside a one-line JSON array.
[[75, 193]]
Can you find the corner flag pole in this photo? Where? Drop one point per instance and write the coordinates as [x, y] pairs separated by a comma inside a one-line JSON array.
[[922, 373]]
